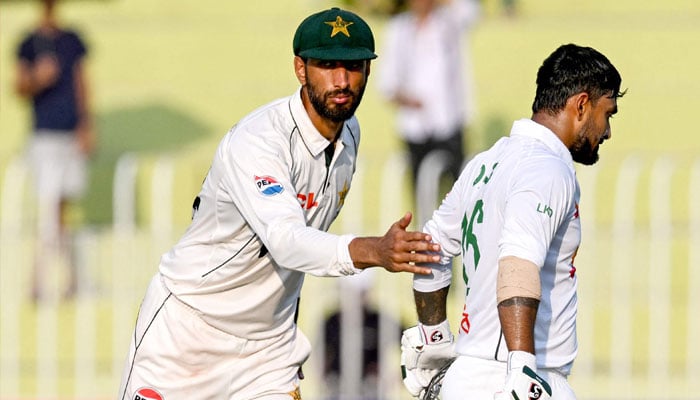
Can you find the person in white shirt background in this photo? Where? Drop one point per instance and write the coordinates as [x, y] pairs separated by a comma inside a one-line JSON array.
[[513, 216], [218, 320], [426, 73]]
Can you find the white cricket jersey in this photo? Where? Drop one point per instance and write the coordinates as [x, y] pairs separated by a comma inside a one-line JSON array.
[[519, 198], [259, 222]]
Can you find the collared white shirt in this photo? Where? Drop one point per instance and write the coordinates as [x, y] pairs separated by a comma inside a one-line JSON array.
[[427, 62], [260, 219], [519, 198]]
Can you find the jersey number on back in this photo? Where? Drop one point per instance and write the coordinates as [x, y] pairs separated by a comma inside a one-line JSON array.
[[469, 239]]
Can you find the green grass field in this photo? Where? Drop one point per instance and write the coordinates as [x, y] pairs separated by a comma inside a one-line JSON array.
[[171, 77]]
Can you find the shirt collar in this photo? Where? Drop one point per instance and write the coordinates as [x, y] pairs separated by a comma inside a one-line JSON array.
[[529, 128], [315, 142]]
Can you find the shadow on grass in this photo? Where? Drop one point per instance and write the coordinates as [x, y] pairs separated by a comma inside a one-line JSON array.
[[142, 129]]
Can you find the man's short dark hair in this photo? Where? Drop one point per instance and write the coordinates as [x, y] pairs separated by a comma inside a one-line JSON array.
[[573, 69]]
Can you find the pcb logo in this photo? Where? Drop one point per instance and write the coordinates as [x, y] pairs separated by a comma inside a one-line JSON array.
[[268, 185], [147, 394]]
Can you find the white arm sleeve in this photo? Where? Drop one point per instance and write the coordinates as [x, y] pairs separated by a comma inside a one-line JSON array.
[[440, 278], [278, 219], [445, 228]]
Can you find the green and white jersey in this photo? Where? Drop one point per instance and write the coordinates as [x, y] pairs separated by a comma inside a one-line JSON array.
[[519, 198], [259, 222]]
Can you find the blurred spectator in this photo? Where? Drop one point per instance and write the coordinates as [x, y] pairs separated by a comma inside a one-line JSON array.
[[423, 71], [51, 75], [370, 339], [369, 352]]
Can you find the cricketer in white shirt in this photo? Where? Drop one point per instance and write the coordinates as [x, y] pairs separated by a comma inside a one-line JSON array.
[[513, 216], [221, 275], [519, 198], [218, 319], [250, 204]]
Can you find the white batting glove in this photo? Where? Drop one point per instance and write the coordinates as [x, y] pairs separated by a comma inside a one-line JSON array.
[[424, 350], [417, 380], [522, 382]]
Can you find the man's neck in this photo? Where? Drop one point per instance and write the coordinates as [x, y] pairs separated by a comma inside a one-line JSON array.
[[558, 124]]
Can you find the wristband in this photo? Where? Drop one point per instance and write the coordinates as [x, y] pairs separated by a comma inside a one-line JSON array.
[[435, 334]]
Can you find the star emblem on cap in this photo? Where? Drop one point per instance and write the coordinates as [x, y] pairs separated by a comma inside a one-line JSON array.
[[339, 25]]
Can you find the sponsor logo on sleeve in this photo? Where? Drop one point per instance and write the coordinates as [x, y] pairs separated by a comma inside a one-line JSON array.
[[268, 185]]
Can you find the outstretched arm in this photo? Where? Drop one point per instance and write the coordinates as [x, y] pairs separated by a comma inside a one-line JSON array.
[[397, 251]]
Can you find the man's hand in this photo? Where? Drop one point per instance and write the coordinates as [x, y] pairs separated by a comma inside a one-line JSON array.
[[424, 350], [397, 251], [46, 71], [33, 78], [522, 382], [408, 101]]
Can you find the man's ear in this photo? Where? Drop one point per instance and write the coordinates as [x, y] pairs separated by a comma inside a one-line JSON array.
[[582, 102], [300, 69]]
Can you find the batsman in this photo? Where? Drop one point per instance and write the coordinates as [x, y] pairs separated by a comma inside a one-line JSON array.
[[513, 216]]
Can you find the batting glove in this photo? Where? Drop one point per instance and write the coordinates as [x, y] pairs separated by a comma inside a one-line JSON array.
[[417, 380], [424, 350], [522, 382]]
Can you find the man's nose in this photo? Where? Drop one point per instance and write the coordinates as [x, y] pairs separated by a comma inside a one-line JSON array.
[[340, 77]]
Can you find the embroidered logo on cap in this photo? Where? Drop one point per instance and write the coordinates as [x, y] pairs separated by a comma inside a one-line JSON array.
[[339, 26]]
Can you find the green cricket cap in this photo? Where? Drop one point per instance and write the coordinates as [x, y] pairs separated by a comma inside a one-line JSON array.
[[334, 34]]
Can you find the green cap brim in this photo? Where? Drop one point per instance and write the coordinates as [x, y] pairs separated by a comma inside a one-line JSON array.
[[338, 54]]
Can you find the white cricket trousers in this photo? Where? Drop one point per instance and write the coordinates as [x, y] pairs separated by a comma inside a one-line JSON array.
[[475, 378], [175, 355]]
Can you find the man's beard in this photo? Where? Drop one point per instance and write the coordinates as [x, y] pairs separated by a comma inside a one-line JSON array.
[[336, 112], [581, 150]]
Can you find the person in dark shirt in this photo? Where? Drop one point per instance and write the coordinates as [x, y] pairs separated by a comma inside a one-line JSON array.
[[50, 74]]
